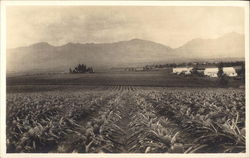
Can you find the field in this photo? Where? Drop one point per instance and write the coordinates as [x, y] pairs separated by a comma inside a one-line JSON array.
[[124, 113], [151, 79]]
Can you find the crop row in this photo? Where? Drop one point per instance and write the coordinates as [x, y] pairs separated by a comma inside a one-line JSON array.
[[38, 122], [125, 119], [215, 119]]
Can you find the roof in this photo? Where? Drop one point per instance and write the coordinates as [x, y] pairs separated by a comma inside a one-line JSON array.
[[211, 70], [228, 68]]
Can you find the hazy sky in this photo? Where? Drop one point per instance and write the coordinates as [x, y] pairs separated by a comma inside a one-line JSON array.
[[172, 26]]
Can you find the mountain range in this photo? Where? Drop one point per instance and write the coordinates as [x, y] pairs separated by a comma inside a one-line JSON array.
[[136, 52]]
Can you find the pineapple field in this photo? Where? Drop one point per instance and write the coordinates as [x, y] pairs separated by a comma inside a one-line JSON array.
[[125, 119]]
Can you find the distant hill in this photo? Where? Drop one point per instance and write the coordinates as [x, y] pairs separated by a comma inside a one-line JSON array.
[[42, 56], [135, 52], [230, 45]]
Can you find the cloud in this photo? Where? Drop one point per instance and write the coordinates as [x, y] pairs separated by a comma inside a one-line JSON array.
[[168, 25]]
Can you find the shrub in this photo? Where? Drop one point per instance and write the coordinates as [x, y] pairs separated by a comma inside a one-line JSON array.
[[81, 68], [223, 80]]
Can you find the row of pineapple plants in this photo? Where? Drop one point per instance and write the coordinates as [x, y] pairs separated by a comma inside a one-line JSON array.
[[141, 121], [153, 134], [38, 122], [224, 133]]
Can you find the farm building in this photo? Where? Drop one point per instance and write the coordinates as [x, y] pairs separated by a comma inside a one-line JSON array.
[[211, 72], [229, 71], [185, 70]]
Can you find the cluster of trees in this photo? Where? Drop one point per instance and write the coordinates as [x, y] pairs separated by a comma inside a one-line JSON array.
[[81, 68], [241, 71], [195, 71], [148, 67], [223, 78]]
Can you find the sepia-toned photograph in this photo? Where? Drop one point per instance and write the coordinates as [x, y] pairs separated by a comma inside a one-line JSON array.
[[126, 79]]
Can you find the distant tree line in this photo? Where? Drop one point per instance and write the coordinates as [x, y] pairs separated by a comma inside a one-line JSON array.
[[197, 64], [81, 68]]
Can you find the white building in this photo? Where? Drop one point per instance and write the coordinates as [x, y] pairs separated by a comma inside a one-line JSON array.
[[211, 72], [229, 71], [185, 70]]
